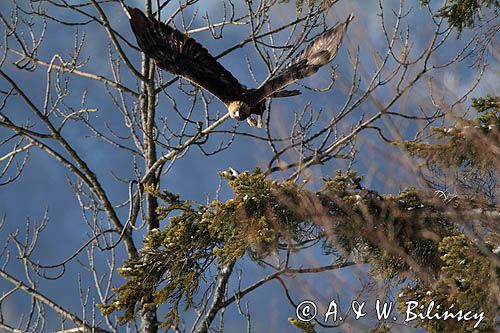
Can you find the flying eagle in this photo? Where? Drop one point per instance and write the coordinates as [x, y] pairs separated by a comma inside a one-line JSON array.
[[179, 54]]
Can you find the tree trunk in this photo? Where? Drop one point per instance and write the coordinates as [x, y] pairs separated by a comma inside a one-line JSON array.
[[149, 317], [217, 302]]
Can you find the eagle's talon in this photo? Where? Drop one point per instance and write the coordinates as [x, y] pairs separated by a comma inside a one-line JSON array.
[[252, 122], [259, 121]]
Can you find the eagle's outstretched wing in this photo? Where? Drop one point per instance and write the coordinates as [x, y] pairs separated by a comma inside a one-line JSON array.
[[175, 52], [319, 52]]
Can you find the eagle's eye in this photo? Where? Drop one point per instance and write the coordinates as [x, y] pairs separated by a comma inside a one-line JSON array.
[[235, 110]]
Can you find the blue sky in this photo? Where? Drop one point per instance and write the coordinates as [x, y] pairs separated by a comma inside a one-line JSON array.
[[43, 184]]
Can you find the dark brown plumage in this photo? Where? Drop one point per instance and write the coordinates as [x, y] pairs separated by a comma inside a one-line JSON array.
[[179, 54]]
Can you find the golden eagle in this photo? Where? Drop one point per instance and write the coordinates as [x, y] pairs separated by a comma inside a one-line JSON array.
[[179, 54]]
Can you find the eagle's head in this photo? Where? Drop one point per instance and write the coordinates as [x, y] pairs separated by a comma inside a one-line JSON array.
[[238, 110], [241, 111]]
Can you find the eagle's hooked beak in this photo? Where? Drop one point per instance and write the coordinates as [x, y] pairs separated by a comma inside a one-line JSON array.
[[234, 109]]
